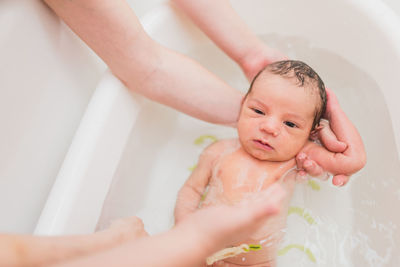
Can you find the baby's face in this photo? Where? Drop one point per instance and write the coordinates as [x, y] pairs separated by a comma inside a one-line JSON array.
[[276, 118]]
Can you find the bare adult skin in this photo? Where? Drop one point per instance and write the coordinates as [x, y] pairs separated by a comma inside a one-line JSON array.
[[125, 243], [112, 30], [193, 239], [229, 32], [240, 44], [27, 250]]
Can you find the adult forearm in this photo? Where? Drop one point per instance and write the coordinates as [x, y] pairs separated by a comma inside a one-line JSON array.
[[181, 83], [113, 31], [224, 26], [175, 248], [198, 236], [26, 251]]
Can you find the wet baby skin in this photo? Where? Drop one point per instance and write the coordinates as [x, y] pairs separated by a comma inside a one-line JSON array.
[[274, 124], [237, 176]]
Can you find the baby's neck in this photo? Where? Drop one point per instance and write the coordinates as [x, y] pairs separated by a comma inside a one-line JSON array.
[[260, 161]]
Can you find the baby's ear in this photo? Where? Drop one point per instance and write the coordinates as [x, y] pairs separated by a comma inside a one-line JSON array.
[[314, 133]]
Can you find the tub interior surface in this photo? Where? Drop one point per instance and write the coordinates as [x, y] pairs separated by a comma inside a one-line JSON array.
[[355, 225]]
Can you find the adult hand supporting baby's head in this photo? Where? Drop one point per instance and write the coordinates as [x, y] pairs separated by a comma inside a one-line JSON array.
[[342, 157]]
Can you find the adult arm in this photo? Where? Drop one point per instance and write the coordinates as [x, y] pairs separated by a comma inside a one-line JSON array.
[[198, 236], [112, 30], [219, 21], [28, 250]]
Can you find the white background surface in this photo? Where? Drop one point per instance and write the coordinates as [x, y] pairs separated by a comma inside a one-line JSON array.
[[47, 76]]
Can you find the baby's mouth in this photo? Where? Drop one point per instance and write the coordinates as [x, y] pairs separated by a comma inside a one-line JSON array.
[[263, 145]]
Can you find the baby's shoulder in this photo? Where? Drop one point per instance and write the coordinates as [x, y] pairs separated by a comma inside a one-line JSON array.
[[223, 145], [220, 148]]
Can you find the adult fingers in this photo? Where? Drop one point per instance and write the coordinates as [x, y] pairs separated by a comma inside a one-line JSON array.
[[300, 158], [307, 166], [224, 224], [329, 140], [340, 179], [266, 203], [312, 168]]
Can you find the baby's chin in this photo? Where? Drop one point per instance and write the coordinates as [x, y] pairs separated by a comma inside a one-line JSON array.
[[274, 156]]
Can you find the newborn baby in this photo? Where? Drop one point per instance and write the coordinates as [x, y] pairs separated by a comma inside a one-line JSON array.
[[282, 108]]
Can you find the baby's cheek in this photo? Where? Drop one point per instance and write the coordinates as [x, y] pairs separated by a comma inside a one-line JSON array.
[[292, 149]]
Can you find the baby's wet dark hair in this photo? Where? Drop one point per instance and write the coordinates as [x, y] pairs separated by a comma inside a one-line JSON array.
[[305, 75]]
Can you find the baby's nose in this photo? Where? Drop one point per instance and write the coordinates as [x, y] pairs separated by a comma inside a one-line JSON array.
[[271, 127]]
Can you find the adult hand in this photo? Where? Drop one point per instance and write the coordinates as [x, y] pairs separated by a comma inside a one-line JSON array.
[[232, 223], [258, 58], [198, 236], [347, 154], [328, 139]]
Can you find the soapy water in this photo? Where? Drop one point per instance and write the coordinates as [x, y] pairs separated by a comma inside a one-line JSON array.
[[356, 225]]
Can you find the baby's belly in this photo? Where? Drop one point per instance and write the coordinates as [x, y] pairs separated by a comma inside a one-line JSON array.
[[268, 236]]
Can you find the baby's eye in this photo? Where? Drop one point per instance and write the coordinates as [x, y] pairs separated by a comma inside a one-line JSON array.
[[290, 124], [258, 111]]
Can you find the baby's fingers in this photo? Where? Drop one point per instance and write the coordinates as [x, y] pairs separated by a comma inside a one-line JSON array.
[[340, 179]]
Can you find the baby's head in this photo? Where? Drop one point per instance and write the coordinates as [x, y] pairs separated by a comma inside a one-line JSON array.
[[284, 104]]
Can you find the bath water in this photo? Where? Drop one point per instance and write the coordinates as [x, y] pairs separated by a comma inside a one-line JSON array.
[[356, 225]]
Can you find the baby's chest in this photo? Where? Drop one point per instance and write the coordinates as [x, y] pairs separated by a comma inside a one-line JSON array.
[[238, 177]]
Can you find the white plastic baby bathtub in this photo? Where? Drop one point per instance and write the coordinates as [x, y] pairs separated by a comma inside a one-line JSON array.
[[130, 156]]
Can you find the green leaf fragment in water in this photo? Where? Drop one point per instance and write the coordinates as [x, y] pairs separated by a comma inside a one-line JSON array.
[[307, 251], [314, 185], [302, 213], [192, 168], [253, 247], [200, 140], [203, 197]]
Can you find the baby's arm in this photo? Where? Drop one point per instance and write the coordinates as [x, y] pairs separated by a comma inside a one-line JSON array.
[[190, 194], [346, 163]]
